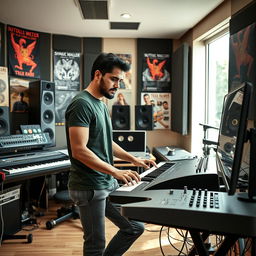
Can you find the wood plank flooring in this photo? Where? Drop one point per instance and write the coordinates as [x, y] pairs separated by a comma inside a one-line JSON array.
[[66, 239]]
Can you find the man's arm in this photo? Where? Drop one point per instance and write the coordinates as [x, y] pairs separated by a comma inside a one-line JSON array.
[[124, 155], [78, 137]]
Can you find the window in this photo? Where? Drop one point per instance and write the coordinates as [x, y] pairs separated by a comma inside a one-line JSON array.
[[217, 59]]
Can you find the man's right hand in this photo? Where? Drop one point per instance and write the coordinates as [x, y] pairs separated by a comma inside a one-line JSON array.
[[129, 177]]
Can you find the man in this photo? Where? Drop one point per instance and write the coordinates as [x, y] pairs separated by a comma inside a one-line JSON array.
[[91, 149], [20, 105]]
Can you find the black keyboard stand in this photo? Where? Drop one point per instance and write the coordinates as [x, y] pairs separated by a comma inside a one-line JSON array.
[[200, 248]]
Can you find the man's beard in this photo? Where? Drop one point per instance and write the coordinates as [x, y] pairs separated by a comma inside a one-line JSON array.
[[105, 92]]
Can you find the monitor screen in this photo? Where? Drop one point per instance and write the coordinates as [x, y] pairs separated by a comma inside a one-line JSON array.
[[232, 135]]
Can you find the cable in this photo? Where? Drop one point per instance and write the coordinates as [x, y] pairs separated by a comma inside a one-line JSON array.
[[160, 244], [174, 247]]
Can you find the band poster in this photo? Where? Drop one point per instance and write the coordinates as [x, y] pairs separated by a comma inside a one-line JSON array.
[[4, 87], [161, 103], [67, 70], [126, 83], [62, 100], [156, 73], [23, 52]]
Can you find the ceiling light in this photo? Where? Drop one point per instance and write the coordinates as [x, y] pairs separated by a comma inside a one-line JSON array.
[[126, 15]]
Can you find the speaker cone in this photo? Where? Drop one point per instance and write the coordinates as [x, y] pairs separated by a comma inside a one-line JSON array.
[[48, 98], [48, 116], [51, 133], [3, 127]]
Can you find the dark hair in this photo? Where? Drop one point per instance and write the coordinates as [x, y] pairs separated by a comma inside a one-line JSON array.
[[21, 94], [106, 62]]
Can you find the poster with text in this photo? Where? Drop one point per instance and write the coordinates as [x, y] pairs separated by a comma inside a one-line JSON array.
[[62, 100], [127, 82], [67, 70], [161, 103], [23, 52], [156, 72]]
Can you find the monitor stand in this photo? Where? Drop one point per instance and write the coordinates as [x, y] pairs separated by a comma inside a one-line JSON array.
[[250, 196]]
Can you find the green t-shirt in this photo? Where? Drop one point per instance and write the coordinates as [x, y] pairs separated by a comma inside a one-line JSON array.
[[88, 111]]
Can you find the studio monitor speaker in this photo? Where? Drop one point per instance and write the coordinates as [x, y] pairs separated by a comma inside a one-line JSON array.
[[4, 121], [144, 117], [121, 117], [42, 104]]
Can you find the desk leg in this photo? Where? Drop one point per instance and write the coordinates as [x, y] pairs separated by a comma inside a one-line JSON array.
[[198, 243], [226, 245], [193, 250]]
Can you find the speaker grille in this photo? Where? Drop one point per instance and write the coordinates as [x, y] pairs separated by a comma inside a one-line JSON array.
[[4, 121], [144, 117], [121, 117]]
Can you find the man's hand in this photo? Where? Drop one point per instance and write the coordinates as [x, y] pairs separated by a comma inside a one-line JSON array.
[[146, 163], [129, 177]]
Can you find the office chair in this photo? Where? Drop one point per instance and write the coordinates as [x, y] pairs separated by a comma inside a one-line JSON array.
[[64, 213], [69, 210]]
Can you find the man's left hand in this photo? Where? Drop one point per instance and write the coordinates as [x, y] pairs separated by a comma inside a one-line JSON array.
[[146, 163]]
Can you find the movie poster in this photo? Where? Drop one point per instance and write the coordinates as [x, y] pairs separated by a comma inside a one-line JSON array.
[[127, 82], [242, 56], [156, 73], [19, 95], [4, 87], [23, 52], [67, 70], [122, 97], [161, 103], [62, 100]]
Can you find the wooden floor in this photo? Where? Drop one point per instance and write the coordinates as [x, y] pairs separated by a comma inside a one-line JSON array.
[[66, 239]]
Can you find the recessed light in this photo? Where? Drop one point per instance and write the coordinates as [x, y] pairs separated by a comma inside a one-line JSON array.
[[126, 15]]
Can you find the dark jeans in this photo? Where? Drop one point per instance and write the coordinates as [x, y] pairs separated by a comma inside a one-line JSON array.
[[94, 206]]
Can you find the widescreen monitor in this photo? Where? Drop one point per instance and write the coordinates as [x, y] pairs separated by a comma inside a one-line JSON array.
[[232, 135]]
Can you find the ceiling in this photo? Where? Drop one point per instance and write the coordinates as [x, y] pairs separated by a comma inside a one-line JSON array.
[[158, 18]]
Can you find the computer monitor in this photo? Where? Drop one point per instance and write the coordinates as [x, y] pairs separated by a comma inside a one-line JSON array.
[[232, 134]]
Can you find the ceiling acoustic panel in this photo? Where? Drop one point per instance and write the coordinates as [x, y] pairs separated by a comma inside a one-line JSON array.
[[124, 25], [94, 10]]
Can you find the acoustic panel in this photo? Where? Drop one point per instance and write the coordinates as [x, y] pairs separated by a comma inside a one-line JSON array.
[[179, 101]]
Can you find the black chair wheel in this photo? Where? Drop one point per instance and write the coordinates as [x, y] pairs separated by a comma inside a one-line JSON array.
[[29, 238], [49, 224]]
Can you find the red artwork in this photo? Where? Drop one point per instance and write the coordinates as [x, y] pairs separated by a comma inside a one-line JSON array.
[[156, 69], [23, 52]]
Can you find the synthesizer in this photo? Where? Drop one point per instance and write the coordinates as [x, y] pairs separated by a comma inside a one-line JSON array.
[[171, 175], [216, 212], [33, 163]]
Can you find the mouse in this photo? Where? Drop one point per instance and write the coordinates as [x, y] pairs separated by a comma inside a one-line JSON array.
[[171, 152]]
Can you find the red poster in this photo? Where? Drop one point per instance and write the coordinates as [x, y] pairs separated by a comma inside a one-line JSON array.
[[23, 52]]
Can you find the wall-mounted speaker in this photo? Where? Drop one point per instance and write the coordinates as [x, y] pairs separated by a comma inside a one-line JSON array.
[[121, 117], [144, 117], [4, 121], [42, 104]]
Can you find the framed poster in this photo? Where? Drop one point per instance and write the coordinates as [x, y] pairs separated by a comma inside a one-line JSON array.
[[161, 103], [62, 100], [127, 82], [122, 97], [242, 56], [23, 52], [19, 95], [4, 87], [156, 73], [66, 70]]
